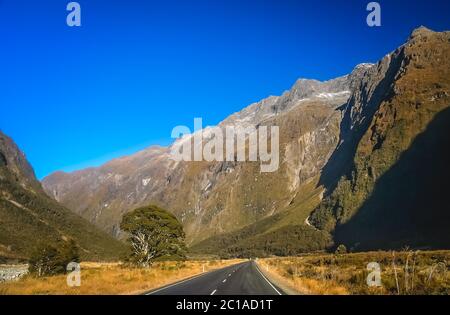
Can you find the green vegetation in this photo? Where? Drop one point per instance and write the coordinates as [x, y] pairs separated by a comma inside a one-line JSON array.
[[284, 233], [25, 215], [340, 250], [28, 217], [48, 260], [285, 241], [154, 234]]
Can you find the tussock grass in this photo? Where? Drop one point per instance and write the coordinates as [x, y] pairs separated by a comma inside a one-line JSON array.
[[404, 273], [112, 278]]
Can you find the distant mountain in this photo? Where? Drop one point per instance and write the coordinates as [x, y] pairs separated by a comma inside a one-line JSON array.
[[338, 141], [28, 217]]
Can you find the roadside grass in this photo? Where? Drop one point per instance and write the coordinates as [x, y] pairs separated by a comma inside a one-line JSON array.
[[113, 278], [402, 273]]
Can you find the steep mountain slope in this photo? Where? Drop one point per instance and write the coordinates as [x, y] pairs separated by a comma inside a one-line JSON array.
[[392, 162], [29, 217], [394, 152], [217, 197]]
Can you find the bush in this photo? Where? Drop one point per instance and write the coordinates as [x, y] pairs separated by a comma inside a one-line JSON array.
[[52, 259], [341, 249]]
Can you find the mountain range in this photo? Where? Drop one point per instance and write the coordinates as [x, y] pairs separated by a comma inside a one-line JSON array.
[[363, 162], [212, 198]]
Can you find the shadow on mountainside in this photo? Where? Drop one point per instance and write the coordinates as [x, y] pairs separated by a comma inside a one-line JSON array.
[[409, 205], [341, 161]]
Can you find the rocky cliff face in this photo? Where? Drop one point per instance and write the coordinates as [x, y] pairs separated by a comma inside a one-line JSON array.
[[13, 160], [391, 157]]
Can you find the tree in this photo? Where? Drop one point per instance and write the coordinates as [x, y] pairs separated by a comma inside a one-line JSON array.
[[52, 259], [154, 233]]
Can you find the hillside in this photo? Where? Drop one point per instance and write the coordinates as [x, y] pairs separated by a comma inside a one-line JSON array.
[[394, 153], [28, 217]]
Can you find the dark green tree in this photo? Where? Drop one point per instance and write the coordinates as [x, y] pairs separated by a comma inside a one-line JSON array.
[[52, 259], [154, 234]]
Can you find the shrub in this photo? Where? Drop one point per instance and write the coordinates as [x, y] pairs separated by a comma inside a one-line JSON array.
[[52, 259], [341, 249]]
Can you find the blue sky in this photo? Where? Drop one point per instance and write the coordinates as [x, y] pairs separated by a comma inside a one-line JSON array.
[[76, 97]]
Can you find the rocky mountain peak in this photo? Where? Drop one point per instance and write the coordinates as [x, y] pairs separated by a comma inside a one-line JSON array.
[[420, 31], [305, 88], [335, 91], [14, 160], [364, 66]]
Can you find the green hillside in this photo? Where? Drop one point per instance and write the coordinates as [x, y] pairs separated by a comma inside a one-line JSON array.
[[28, 217]]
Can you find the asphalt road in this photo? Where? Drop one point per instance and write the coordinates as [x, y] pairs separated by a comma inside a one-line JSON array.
[[241, 279]]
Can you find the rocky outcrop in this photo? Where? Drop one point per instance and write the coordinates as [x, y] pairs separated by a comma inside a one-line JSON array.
[[392, 124], [12, 272]]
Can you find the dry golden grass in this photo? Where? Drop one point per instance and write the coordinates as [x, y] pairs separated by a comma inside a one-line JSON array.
[[113, 278], [328, 274], [300, 285]]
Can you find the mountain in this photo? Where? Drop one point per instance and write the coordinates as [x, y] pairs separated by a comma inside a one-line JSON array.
[[28, 217], [393, 156], [339, 140], [211, 198]]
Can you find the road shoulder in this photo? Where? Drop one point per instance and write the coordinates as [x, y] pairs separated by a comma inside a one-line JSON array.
[[277, 280]]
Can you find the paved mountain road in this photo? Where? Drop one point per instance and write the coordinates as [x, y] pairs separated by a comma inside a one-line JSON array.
[[241, 279]]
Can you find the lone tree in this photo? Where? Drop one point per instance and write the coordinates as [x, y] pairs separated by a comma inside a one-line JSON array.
[[154, 234]]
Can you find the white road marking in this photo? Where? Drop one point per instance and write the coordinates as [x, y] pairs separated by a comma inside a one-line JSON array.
[[213, 292], [257, 268], [180, 282], [224, 280], [229, 275]]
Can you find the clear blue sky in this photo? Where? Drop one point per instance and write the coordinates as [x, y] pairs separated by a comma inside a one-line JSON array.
[[75, 97]]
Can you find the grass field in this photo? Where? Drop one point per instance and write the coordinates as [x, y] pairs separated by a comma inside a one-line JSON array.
[[113, 278], [405, 273]]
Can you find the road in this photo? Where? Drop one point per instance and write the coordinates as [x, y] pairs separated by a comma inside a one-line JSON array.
[[241, 279]]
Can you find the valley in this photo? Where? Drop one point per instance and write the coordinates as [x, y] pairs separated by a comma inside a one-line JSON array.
[[347, 146], [361, 178]]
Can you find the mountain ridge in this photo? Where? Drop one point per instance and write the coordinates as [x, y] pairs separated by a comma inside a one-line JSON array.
[[406, 111]]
